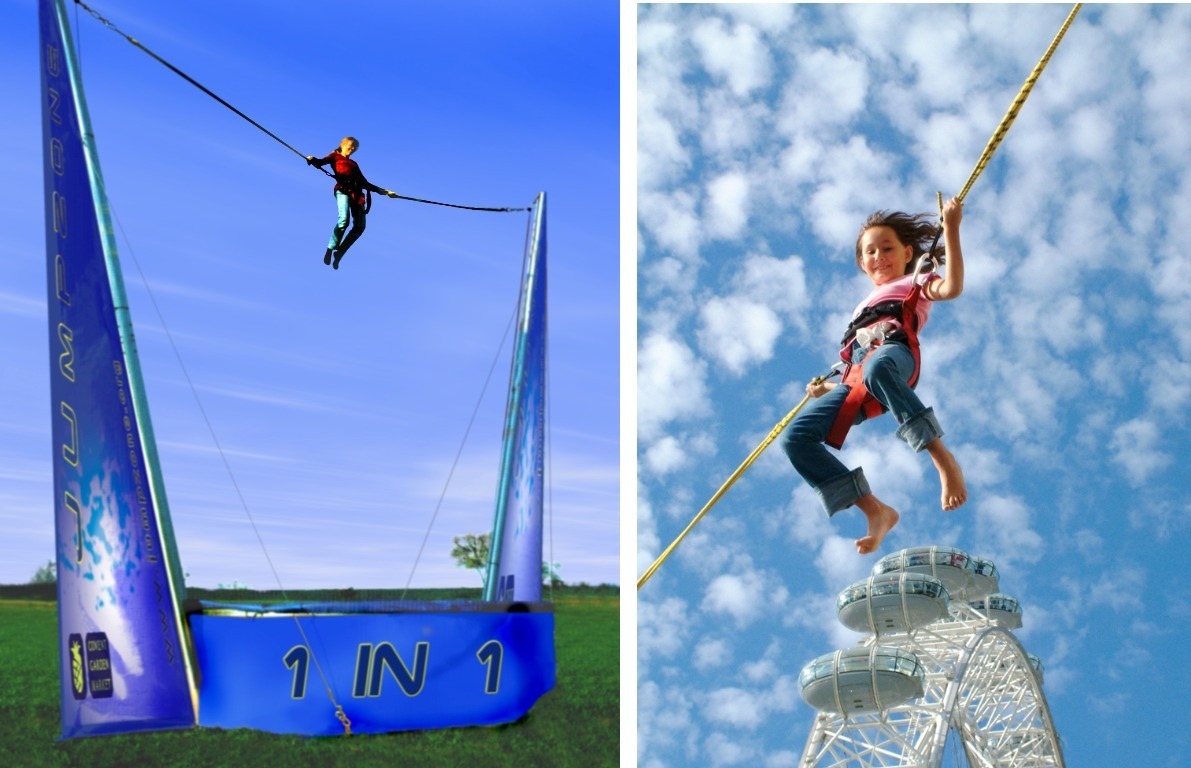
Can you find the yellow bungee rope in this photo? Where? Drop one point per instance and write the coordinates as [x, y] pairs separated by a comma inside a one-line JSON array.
[[989, 149], [1015, 107], [773, 433]]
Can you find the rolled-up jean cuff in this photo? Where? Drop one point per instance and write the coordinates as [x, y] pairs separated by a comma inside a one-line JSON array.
[[920, 429], [842, 492]]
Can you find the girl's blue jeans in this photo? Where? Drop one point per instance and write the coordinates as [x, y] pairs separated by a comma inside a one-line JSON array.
[[347, 212], [887, 370]]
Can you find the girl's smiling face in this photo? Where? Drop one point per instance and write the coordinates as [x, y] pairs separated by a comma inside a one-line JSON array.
[[882, 256]]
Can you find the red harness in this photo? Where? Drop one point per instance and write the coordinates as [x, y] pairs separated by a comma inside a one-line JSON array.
[[858, 395]]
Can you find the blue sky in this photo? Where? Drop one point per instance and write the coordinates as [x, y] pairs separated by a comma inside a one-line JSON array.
[[765, 135], [339, 398]]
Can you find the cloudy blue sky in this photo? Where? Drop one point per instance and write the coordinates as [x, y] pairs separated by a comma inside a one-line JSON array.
[[764, 136], [340, 398]]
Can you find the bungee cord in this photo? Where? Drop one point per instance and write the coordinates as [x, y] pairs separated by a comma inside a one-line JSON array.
[[260, 127], [1015, 106], [773, 433], [928, 257]]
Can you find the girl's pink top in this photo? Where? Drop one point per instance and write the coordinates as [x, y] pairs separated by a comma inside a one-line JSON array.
[[898, 290]]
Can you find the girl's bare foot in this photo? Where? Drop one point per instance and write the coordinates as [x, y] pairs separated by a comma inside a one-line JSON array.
[[881, 519], [951, 477]]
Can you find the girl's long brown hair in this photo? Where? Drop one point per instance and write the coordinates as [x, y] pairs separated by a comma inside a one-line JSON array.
[[917, 230]]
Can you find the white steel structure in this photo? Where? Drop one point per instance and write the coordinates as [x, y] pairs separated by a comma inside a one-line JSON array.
[[980, 689]]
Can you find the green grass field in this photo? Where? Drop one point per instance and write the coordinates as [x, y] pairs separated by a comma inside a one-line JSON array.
[[576, 724]]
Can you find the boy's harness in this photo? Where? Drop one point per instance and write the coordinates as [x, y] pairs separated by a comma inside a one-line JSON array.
[[358, 193], [859, 397]]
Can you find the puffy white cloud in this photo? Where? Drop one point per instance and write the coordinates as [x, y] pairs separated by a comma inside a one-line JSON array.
[[741, 596], [734, 706], [1004, 531], [662, 628], [1136, 447], [734, 53], [718, 749], [711, 653], [672, 219], [750, 708], [826, 91], [727, 205], [666, 455], [737, 332], [777, 283], [670, 384]]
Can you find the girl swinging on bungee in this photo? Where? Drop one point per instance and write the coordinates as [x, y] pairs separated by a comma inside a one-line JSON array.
[[881, 350], [351, 190]]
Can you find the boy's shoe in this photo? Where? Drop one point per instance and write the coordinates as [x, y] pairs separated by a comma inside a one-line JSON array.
[[338, 256], [327, 255]]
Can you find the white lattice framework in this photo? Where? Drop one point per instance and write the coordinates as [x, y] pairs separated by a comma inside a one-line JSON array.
[[980, 686]]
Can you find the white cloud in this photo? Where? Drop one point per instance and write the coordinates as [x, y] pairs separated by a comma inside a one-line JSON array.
[[778, 283], [663, 721], [826, 91], [737, 332], [1004, 532], [670, 384], [734, 706], [735, 55], [1136, 447], [741, 596], [672, 219], [727, 205], [766, 17], [720, 750], [711, 653], [750, 708], [662, 628], [666, 455]]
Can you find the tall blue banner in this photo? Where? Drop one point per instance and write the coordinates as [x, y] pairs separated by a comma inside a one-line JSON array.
[[124, 664], [517, 535]]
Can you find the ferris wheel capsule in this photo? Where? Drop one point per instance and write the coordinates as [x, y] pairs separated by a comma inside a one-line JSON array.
[[862, 679], [984, 578], [951, 566], [898, 601], [1000, 608], [1036, 665]]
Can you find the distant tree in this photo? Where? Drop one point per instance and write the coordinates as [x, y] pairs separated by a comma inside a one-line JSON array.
[[471, 551], [550, 574], [46, 574]]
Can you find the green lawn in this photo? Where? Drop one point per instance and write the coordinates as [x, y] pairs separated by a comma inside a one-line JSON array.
[[576, 724]]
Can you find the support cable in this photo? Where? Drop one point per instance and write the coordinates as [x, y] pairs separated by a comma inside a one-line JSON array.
[[260, 127], [327, 683], [471, 422]]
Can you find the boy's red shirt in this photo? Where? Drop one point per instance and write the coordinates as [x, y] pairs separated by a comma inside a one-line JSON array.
[[348, 178]]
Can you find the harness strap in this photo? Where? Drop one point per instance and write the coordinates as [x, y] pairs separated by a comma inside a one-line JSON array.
[[858, 395]]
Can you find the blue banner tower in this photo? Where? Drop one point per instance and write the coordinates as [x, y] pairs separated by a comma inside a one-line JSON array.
[[124, 660], [515, 560]]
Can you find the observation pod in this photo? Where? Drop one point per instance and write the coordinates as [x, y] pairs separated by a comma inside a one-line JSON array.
[[1036, 665], [893, 602], [862, 679], [985, 578], [1002, 609], [951, 566]]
